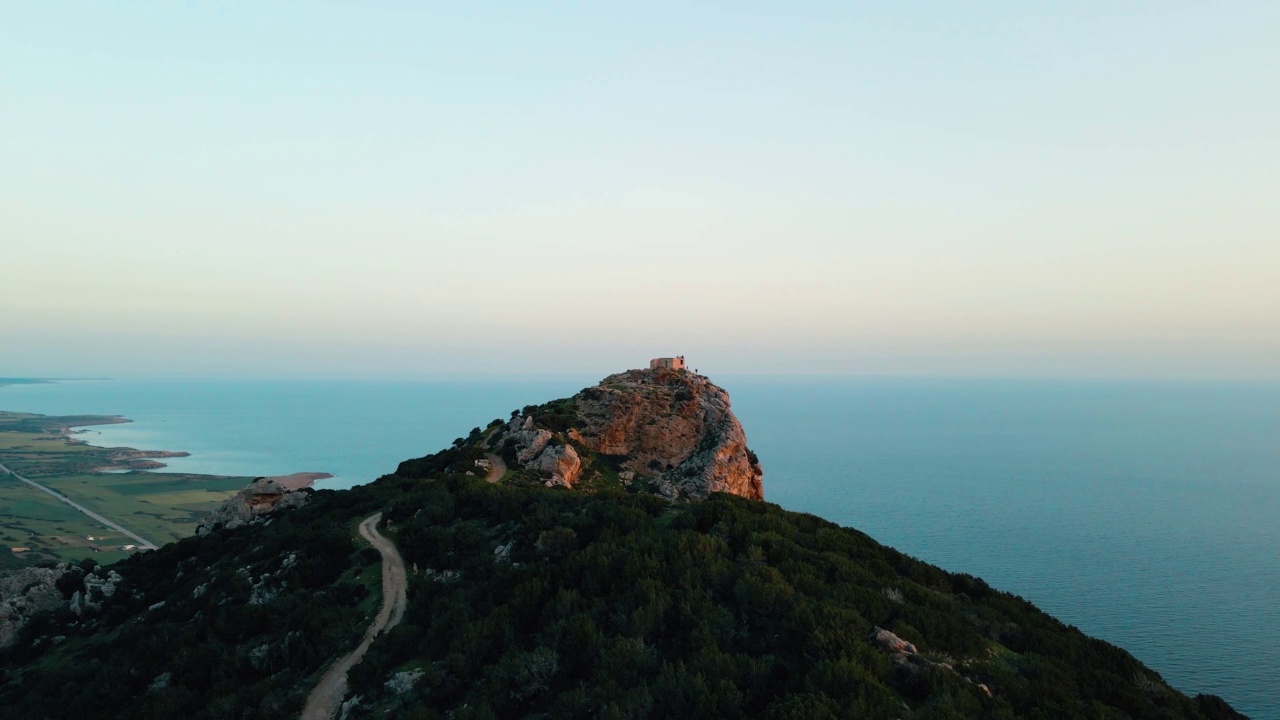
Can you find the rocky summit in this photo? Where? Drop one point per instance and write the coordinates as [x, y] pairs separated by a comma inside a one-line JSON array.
[[670, 431]]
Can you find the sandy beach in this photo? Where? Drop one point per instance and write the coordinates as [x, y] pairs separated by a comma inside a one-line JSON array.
[[299, 480]]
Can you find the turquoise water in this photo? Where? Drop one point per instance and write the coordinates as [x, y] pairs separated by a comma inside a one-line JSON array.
[[356, 431], [1144, 514]]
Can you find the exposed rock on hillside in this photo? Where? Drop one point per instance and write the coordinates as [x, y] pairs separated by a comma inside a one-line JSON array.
[[24, 593], [672, 430], [98, 586], [27, 592], [259, 498], [562, 462]]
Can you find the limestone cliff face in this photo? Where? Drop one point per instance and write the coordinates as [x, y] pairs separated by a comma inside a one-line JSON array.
[[671, 430]]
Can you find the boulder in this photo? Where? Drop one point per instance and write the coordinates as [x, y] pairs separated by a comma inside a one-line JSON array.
[[891, 643], [530, 443], [562, 462], [402, 682]]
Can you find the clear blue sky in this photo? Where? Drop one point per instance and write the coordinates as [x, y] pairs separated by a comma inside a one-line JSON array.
[[999, 188]]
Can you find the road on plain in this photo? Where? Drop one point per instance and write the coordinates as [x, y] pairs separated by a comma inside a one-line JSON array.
[[326, 698], [144, 543]]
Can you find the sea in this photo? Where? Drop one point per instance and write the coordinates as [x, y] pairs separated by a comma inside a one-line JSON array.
[[1144, 513]]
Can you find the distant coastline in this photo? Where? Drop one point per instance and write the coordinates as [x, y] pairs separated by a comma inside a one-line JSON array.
[[24, 381], [43, 381], [119, 458], [64, 497], [131, 459], [122, 458]]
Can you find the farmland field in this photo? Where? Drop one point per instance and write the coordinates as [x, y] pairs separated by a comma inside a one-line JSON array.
[[36, 527]]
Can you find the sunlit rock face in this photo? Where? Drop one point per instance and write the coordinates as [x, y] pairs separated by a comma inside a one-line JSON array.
[[671, 430]]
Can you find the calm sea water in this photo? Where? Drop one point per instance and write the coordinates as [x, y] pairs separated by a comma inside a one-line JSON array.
[[1145, 514]]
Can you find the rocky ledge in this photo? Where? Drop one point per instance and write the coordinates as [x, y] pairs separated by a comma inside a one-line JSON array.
[[671, 430], [258, 499]]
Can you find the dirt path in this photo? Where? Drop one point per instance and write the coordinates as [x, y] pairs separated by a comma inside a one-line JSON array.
[[143, 543], [324, 700], [497, 468]]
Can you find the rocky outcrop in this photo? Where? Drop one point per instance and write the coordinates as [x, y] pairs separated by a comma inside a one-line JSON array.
[[24, 593], [899, 649], [909, 664], [673, 426], [260, 498], [98, 586], [402, 682], [529, 441], [562, 462], [29, 591], [539, 449], [671, 430]]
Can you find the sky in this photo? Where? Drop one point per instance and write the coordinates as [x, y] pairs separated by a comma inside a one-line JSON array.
[[1051, 189]]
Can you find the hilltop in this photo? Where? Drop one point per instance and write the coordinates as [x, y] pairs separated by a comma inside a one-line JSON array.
[[535, 589], [667, 432]]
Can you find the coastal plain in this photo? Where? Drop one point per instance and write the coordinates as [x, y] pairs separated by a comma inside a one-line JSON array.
[[118, 483]]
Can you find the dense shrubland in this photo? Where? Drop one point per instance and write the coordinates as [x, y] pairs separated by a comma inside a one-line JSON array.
[[224, 626], [533, 602], [617, 605]]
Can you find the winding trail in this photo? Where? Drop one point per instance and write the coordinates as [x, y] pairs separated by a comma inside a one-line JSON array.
[[497, 468], [326, 697], [142, 542]]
